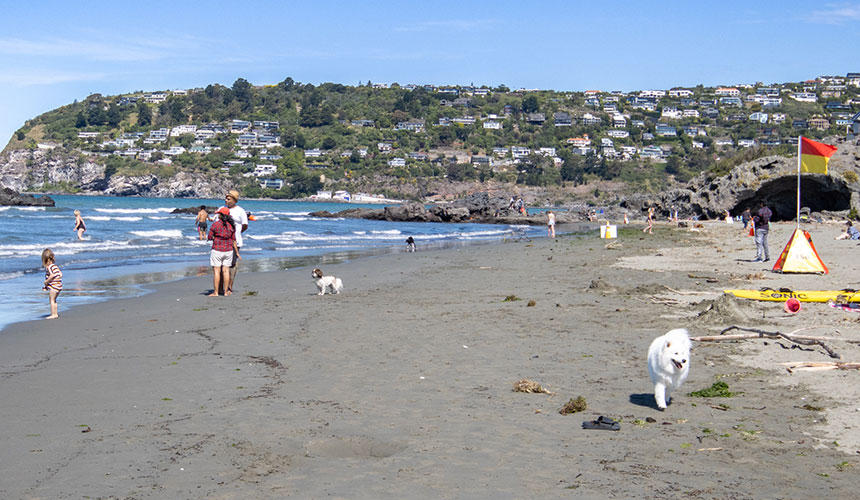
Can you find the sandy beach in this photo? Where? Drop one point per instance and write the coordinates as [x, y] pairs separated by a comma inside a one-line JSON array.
[[401, 387]]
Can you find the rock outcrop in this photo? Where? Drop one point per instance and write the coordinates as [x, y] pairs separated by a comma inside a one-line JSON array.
[[480, 208], [10, 197], [771, 179], [39, 169]]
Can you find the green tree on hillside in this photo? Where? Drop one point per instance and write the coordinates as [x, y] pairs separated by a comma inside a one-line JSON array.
[[144, 114], [530, 104]]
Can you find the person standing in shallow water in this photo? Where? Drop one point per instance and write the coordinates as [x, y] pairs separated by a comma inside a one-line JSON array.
[[202, 220], [761, 223], [80, 225], [550, 224]]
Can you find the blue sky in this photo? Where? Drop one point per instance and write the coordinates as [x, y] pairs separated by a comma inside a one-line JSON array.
[[52, 52]]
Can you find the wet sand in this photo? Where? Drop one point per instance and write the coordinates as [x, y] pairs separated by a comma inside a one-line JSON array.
[[401, 387]]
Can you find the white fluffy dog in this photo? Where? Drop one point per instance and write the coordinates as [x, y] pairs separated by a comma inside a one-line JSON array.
[[668, 364], [328, 284]]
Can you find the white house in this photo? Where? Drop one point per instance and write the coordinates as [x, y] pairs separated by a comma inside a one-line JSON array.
[[520, 152], [182, 129], [727, 91], [680, 93], [492, 125], [397, 162], [264, 170], [671, 113], [656, 94], [313, 153]]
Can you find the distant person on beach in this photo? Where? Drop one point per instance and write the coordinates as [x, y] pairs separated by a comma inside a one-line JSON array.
[[202, 222], [224, 251], [746, 216], [240, 218], [761, 222], [520, 206], [851, 232], [53, 280], [626, 219], [674, 213], [727, 216], [410, 244], [80, 225], [650, 221], [550, 224]]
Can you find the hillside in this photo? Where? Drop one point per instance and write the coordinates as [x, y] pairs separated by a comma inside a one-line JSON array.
[[416, 142]]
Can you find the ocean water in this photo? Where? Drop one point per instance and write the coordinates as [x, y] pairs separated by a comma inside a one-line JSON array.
[[133, 242]]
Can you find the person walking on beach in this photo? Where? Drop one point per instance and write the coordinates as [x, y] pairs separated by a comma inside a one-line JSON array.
[[240, 219], [410, 244], [80, 225], [224, 251], [550, 224], [53, 280], [202, 221], [650, 221], [745, 217], [761, 222]]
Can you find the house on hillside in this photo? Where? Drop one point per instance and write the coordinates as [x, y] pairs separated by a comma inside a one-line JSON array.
[[562, 119], [759, 117], [665, 130], [680, 93], [819, 123], [588, 119], [536, 118], [727, 91]]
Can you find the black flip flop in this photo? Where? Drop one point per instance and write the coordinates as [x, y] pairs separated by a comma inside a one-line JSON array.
[[602, 422]]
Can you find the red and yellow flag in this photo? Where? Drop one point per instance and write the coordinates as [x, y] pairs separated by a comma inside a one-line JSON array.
[[814, 156]]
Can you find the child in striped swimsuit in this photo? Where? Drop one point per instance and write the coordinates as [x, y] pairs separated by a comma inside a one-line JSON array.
[[53, 280]]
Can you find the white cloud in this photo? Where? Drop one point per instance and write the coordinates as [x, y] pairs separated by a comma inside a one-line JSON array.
[[448, 25], [836, 14], [27, 78], [99, 50]]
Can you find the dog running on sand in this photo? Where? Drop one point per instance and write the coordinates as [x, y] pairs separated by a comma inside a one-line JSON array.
[[668, 364]]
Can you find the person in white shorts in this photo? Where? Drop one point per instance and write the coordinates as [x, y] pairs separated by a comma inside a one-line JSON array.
[[223, 236]]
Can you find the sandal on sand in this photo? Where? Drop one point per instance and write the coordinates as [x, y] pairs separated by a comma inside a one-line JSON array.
[[602, 422]]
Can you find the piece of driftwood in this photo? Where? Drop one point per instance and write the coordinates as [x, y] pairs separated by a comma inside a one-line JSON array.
[[791, 366], [797, 339]]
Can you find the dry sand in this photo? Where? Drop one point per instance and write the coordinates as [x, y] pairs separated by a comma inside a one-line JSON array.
[[401, 387]]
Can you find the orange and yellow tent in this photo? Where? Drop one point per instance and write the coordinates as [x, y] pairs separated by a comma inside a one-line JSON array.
[[800, 256]]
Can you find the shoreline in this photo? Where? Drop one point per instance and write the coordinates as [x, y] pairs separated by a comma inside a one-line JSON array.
[[148, 282], [401, 385]]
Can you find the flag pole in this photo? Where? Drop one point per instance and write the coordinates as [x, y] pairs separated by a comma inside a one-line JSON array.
[[799, 140]]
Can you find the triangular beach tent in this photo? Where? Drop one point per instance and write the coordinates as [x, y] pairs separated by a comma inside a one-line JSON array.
[[800, 256]]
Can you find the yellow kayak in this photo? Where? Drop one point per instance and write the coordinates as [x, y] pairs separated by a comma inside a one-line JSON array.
[[784, 294]]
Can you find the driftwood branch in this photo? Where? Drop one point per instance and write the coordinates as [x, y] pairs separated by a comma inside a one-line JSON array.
[[819, 365], [797, 339]]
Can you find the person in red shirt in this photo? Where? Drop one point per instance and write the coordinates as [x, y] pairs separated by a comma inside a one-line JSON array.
[[223, 236]]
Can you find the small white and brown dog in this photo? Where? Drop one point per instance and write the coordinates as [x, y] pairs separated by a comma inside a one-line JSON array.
[[325, 284], [669, 364]]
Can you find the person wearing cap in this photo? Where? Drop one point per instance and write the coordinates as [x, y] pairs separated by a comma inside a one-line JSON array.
[[240, 219], [224, 250]]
